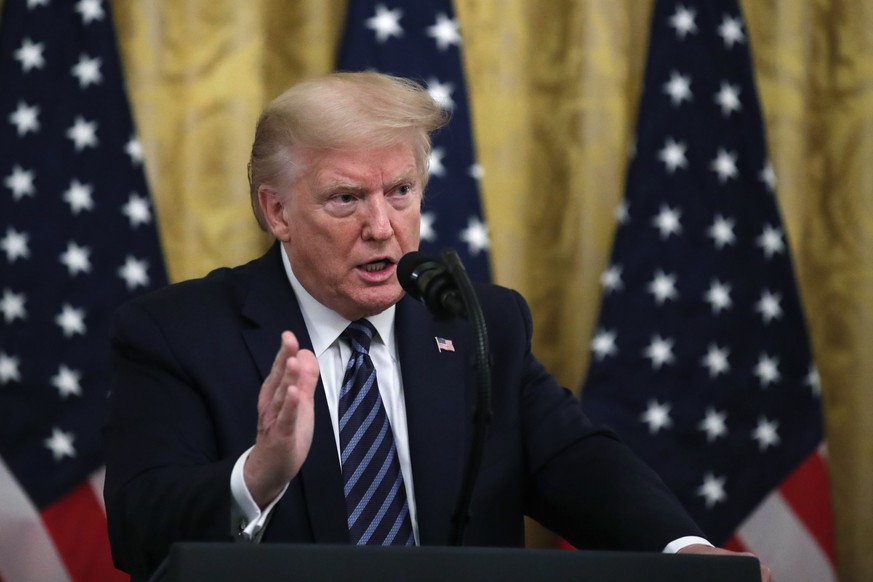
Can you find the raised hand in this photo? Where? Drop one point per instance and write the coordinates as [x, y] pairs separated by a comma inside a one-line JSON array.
[[285, 421]]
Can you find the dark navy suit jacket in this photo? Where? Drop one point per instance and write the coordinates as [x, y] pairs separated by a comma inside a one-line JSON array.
[[189, 362]]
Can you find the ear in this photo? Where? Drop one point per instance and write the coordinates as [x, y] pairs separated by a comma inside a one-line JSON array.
[[273, 208]]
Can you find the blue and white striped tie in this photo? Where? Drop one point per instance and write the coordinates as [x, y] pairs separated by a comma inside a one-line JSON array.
[[378, 513]]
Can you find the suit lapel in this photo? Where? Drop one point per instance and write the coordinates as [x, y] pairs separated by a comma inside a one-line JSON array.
[[435, 385], [272, 308]]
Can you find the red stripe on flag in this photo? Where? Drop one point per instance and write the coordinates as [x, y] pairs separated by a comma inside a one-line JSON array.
[[77, 525], [807, 491], [735, 545]]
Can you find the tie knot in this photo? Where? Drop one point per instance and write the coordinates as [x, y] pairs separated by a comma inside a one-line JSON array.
[[359, 334]]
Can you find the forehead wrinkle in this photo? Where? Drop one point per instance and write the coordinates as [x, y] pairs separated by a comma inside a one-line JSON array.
[[327, 180]]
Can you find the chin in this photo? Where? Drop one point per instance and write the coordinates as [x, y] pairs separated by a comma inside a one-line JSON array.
[[377, 304]]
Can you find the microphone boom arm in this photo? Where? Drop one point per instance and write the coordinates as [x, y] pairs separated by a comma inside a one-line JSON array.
[[482, 409]]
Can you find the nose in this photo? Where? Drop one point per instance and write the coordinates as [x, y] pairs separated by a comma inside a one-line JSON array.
[[377, 220]]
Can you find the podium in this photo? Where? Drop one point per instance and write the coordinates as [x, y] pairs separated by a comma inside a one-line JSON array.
[[193, 562]]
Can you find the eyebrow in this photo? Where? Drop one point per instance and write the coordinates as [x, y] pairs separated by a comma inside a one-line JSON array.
[[332, 186]]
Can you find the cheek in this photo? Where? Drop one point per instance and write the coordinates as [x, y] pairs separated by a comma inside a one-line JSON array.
[[408, 231], [329, 246]]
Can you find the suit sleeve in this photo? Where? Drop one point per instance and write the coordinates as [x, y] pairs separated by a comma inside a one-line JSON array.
[[584, 483], [165, 479]]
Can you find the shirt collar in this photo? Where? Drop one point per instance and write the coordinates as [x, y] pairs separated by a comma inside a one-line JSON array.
[[325, 325]]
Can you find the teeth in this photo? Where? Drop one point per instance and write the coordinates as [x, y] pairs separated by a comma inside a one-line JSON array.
[[375, 266]]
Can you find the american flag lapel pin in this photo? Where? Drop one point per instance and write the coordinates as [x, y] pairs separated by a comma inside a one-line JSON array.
[[444, 345]]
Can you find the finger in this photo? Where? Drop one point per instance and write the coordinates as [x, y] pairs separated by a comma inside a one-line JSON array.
[[279, 395], [288, 347], [307, 377], [286, 419], [293, 389]]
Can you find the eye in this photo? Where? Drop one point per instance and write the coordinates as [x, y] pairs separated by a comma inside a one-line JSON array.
[[344, 198]]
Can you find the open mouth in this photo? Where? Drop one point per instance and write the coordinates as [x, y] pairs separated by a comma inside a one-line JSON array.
[[376, 266]]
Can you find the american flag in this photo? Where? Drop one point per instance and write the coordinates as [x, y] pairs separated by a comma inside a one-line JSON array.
[[445, 345], [421, 39], [700, 359], [77, 237]]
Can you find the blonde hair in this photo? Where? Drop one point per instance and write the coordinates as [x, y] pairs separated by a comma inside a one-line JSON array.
[[338, 111]]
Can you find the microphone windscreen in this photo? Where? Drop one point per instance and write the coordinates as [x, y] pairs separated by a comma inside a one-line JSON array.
[[406, 271]]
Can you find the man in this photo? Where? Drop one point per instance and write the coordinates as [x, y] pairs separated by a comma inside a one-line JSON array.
[[355, 430]]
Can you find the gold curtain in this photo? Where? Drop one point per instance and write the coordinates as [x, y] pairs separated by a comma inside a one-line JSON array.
[[554, 89]]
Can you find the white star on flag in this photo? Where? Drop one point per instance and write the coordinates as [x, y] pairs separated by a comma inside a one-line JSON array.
[[667, 221], [91, 10], [722, 231], [67, 382], [71, 320], [683, 21], [716, 360], [20, 181], [660, 352], [78, 196], [766, 433], [137, 210], [813, 380], [767, 370], [714, 424], [657, 416], [725, 165], [712, 490], [134, 272], [728, 98], [476, 236], [445, 32], [673, 155], [610, 280], [14, 244], [9, 371], [386, 23], [768, 306], [718, 296], [426, 229], [83, 133], [603, 343], [134, 150], [435, 162], [87, 70], [441, 93], [61, 444], [663, 287], [30, 55], [25, 118], [76, 259], [768, 176], [678, 88], [771, 241], [622, 213], [731, 31], [12, 306]]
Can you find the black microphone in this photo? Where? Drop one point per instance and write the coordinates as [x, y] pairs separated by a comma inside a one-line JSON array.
[[444, 287], [428, 280]]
